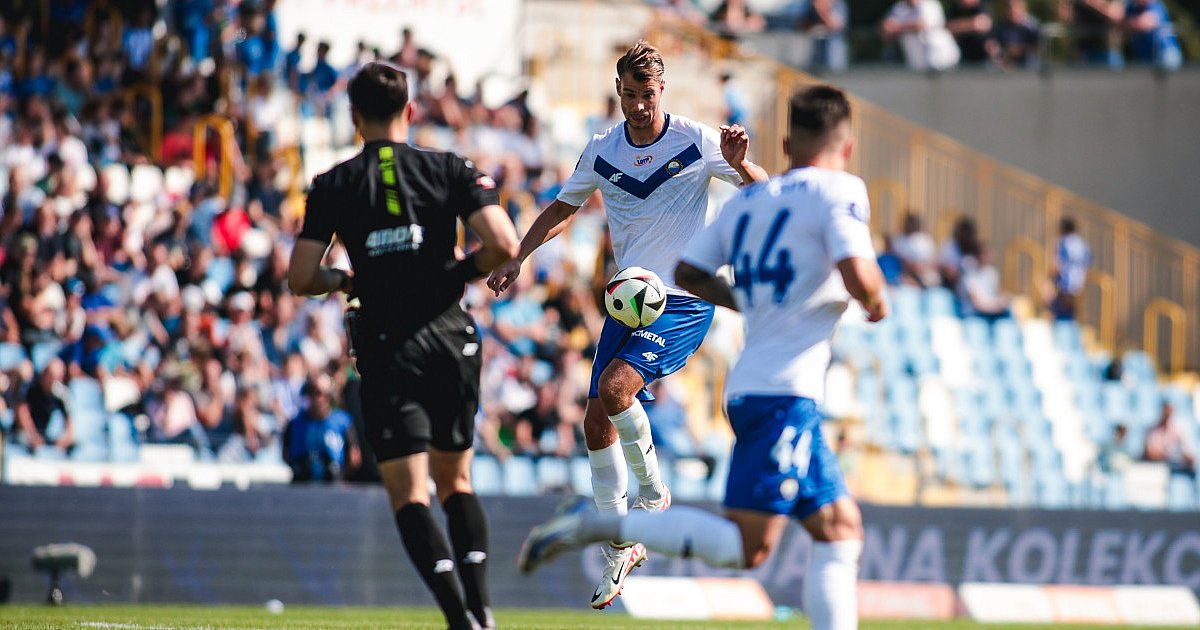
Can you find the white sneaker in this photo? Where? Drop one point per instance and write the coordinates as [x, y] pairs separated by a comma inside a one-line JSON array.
[[620, 562]]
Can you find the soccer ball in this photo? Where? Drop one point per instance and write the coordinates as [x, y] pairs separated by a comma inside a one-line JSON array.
[[635, 297]]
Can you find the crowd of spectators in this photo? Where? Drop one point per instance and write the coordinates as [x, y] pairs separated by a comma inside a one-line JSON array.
[[159, 313], [931, 35]]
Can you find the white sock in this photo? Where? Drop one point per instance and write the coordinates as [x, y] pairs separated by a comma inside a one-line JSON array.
[[683, 532], [633, 427], [610, 480], [831, 585]]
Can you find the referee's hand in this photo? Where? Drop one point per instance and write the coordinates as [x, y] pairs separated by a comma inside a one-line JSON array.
[[503, 276]]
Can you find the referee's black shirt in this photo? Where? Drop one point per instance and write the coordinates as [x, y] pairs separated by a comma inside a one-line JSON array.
[[395, 207]]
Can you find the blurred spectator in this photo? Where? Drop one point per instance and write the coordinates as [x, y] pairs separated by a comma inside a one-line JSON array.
[[1113, 456], [669, 424], [979, 290], [1017, 37], [43, 420], [1072, 259], [1151, 37], [251, 430], [683, 10], [824, 22], [732, 18], [319, 83], [611, 116], [173, 417], [917, 252], [291, 63], [971, 24], [920, 26], [737, 110], [889, 262], [1168, 442], [534, 426], [1093, 23], [319, 444], [964, 241], [406, 57]]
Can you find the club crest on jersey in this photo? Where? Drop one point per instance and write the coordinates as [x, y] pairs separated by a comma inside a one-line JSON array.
[[674, 166], [643, 160]]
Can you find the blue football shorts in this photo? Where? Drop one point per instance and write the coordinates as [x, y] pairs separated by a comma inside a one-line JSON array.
[[658, 349], [781, 463]]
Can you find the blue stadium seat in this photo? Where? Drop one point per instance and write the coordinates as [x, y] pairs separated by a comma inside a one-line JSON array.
[[486, 477], [221, 271], [1181, 493], [922, 361], [905, 303], [1067, 337], [122, 438], [519, 477], [552, 475], [976, 332], [901, 393], [11, 355], [1006, 335], [1138, 365], [581, 476], [981, 465], [42, 353], [1115, 401], [939, 301], [91, 441], [86, 395], [1052, 492], [907, 433], [1146, 403]]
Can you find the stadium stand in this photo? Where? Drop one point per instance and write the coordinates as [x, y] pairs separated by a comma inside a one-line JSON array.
[[142, 264]]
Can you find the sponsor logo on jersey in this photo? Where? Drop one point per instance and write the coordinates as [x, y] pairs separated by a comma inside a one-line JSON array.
[[649, 356], [649, 336], [643, 160], [615, 177], [858, 212], [404, 238], [674, 166]]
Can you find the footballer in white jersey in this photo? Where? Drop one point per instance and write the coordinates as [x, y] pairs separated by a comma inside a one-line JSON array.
[[800, 249], [653, 171]]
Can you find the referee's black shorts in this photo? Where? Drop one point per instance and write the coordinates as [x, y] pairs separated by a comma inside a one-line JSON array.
[[423, 391]]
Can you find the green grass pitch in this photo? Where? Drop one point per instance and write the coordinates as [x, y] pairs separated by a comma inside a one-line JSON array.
[[258, 618]]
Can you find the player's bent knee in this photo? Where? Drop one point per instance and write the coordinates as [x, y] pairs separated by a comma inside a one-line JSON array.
[[840, 520], [618, 385]]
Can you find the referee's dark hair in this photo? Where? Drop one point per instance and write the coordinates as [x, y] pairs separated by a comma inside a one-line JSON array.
[[378, 91]]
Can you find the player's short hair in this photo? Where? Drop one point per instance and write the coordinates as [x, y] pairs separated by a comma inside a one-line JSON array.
[[378, 91], [643, 62], [816, 110], [1066, 225]]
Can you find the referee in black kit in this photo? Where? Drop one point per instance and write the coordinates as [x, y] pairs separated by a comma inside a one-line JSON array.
[[396, 208]]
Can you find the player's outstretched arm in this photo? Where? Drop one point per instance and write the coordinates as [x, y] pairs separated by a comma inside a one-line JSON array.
[[704, 285], [550, 223], [735, 143], [864, 282], [498, 240]]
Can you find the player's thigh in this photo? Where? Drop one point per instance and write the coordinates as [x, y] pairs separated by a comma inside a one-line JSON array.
[[619, 383], [451, 471], [656, 350], [761, 532], [406, 479], [839, 520], [778, 446]]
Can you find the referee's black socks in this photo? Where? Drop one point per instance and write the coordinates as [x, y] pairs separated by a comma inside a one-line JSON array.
[[469, 533], [431, 556]]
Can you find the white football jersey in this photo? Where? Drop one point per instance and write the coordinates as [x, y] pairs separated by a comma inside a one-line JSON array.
[[784, 239], [655, 195]]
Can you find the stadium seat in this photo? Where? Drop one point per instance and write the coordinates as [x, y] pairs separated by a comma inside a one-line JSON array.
[[42, 353], [221, 271], [1067, 337], [939, 302], [1006, 334], [11, 355], [1138, 365], [552, 475], [581, 475], [520, 480], [90, 428], [1115, 401], [981, 464], [122, 438], [486, 476], [1181, 493]]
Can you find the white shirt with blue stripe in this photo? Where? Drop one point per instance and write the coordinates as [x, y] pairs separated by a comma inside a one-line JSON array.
[[784, 239], [655, 195]]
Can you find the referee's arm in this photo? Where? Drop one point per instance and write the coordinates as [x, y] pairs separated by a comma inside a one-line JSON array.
[[498, 238], [306, 276]]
